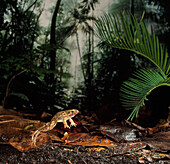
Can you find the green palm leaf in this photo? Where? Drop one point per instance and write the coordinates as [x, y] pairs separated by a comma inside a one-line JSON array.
[[123, 31], [135, 90]]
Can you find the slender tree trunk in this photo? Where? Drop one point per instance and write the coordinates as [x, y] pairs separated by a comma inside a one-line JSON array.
[[92, 58], [89, 61], [89, 75], [81, 63], [53, 41], [75, 73], [52, 79]]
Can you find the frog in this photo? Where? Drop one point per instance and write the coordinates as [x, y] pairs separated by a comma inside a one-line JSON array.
[[61, 116]]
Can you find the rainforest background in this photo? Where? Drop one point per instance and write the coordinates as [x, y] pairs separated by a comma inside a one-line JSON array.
[[51, 58]]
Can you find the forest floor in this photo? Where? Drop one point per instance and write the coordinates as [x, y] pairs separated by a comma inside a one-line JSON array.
[[60, 155], [88, 143], [76, 155]]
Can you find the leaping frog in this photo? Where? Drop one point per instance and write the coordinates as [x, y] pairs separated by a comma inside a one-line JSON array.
[[62, 116]]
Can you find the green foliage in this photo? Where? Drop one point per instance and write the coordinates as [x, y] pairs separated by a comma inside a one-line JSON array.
[[25, 50], [123, 31], [134, 91], [19, 29]]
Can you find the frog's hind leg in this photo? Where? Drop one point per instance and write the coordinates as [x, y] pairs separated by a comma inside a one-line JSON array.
[[44, 128], [35, 135]]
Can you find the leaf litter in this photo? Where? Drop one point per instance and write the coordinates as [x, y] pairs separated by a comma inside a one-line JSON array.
[[106, 143]]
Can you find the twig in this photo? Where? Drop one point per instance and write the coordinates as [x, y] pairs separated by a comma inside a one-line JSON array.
[[2, 122], [84, 161], [23, 120], [9, 87], [136, 126], [9, 116]]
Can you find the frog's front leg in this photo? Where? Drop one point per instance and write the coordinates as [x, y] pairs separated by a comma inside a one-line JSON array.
[[65, 123], [72, 122]]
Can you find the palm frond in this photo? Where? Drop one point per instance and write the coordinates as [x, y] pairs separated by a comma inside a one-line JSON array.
[[123, 31], [135, 90]]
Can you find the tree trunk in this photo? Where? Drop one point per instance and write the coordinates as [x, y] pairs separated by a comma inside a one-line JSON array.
[[81, 63], [52, 80], [89, 75]]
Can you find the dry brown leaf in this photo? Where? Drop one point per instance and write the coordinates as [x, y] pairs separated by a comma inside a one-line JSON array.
[[141, 160]]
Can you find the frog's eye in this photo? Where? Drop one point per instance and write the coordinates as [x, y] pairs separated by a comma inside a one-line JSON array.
[[70, 112]]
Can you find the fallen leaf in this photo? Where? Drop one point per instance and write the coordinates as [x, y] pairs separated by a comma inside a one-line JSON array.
[[141, 160]]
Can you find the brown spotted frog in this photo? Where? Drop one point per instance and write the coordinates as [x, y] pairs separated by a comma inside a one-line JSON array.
[[62, 116]]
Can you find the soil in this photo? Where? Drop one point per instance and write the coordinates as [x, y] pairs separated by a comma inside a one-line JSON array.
[[62, 155]]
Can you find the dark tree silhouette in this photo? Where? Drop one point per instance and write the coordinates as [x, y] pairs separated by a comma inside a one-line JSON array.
[[52, 80]]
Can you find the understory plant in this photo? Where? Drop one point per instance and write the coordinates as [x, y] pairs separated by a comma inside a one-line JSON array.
[[124, 31]]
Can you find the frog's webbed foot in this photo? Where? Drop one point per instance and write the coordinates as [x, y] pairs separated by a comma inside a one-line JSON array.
[[72, 123], [66, 125], [44, 128]]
